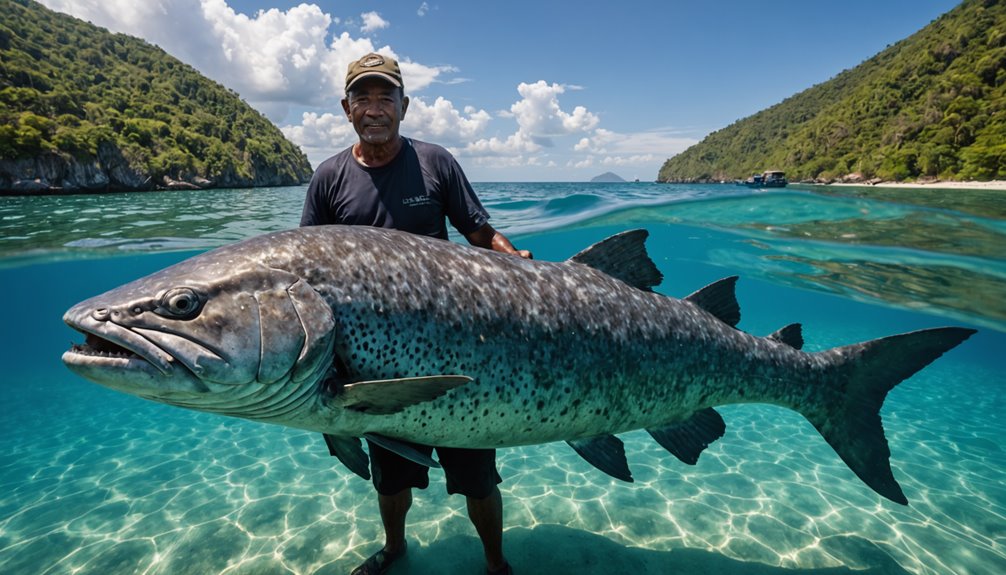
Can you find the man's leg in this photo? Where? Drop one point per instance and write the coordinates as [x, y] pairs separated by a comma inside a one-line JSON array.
[[487, 517], [394, 508], [398, 476]]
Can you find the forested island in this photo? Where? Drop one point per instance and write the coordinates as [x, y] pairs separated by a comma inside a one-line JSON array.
[[932, 106], [85, 110]]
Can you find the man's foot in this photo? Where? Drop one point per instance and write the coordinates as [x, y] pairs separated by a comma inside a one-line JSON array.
[[379, 562], [505, 570]]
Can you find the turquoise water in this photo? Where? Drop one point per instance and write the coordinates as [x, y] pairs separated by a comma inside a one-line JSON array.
[[99, 482]]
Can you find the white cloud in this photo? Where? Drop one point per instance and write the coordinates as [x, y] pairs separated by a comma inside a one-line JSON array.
[[540, 115], [636, 148], [275, 55], [441, 122], [283, 61], [321, 135], [274, 59], [539, 119], [372, 22]]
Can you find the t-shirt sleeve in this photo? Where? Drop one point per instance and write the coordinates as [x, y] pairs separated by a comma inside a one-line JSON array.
[[317, 211], [464, 210]]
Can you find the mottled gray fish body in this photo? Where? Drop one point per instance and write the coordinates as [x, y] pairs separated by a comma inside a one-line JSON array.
[[355, 331]]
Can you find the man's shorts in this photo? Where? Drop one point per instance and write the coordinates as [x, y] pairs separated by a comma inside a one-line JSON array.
[[470, 472]]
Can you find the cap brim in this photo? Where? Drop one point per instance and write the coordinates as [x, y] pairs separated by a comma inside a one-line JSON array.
[[380, 75]]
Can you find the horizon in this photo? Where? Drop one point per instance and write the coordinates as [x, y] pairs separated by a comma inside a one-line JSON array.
[[538, 95]]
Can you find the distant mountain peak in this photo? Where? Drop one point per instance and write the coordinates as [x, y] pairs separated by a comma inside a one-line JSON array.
[[608, 177]]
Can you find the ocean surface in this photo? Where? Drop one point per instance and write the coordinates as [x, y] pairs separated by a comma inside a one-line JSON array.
[[97, 482]]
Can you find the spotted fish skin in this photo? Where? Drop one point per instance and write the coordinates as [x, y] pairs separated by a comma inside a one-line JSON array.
[[341, 330]]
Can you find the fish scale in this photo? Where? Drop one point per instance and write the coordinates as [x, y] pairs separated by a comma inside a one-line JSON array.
[[362, 332]]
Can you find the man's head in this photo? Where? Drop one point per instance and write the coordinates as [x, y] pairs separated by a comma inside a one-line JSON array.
[[375, 99], [374, 66]]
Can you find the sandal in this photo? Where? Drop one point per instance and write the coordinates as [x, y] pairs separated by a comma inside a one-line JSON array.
[[378, 563], [506, 570]]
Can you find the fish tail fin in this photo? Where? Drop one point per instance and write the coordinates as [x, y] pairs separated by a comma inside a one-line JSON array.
[[871, 369]]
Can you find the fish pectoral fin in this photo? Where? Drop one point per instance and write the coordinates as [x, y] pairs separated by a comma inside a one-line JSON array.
[[719, 298], [687, 440], [605, 452], [387, 396], [402, 449], [623, 256], [349, 452], [791, 335]]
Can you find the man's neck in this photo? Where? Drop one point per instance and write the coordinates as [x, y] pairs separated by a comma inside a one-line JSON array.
[[376, 155]]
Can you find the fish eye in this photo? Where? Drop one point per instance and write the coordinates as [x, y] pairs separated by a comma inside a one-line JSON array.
[[179, 303]]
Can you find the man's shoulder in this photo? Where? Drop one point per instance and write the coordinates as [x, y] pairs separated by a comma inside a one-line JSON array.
[[429, 150], [337, 161]]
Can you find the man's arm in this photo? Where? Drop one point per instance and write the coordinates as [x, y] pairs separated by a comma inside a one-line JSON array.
[[487, 237]]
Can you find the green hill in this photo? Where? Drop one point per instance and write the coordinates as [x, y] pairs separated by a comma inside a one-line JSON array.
[[82, 109], [930, 106]]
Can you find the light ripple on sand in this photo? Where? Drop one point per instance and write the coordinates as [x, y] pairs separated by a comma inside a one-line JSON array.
[[160, 491]]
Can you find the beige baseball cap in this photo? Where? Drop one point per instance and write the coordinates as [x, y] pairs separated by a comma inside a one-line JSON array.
[[374, 65]]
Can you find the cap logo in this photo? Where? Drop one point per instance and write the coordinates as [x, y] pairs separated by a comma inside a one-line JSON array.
[[372, 62]]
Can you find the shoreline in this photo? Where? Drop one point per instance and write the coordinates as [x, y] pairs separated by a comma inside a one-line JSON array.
[[974, 185]]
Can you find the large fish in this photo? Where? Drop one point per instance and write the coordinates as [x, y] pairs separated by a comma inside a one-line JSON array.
[[362, 332]]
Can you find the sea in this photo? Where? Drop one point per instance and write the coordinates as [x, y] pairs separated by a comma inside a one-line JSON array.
[[97, 482]]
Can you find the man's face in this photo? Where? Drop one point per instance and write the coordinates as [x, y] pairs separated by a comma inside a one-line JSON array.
[[376, 108]]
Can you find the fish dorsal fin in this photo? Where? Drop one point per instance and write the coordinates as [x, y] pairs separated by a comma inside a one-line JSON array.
[[406, 451], [687, 440], [791, 335], [349, 452], [719, 299], [605, 452], [387, 396], [623, 256]]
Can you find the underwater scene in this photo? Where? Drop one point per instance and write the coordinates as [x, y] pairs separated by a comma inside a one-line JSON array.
[[98, 482]]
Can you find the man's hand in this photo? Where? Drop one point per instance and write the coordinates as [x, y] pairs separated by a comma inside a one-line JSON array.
[[487, 237]]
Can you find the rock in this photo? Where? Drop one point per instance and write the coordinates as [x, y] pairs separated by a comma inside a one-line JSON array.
[[202, 182], [170, 184], [121, 175], [110, 171], [29, 186]]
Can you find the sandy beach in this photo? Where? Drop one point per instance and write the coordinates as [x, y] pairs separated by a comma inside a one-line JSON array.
[[993, 185]]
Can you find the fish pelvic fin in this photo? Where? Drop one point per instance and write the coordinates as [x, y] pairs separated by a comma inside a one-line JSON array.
[[853, 425], [401, 448], [623, 256], [349, 452], [720, 299], [689, 438], [605, 452]]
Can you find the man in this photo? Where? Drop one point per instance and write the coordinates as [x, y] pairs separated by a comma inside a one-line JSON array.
[[389, 181]]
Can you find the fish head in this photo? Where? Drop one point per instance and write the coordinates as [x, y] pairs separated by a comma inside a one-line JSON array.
[[202, 328]]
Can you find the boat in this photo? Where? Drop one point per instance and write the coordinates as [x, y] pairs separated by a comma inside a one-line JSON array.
[[768, 179]]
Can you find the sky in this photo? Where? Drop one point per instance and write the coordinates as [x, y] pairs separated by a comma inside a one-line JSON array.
[[523, 90]]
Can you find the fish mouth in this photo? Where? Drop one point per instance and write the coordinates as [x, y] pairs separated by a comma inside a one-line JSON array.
[[107, 342], [117, 357], [100, 347], [120, 359]]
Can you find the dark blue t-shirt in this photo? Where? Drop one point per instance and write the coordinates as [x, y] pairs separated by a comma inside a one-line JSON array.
[[414, 193]]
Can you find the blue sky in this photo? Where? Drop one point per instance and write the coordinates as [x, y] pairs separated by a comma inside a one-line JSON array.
[[523, 90]]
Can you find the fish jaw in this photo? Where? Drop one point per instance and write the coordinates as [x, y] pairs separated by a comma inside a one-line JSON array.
[[123, 360]]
